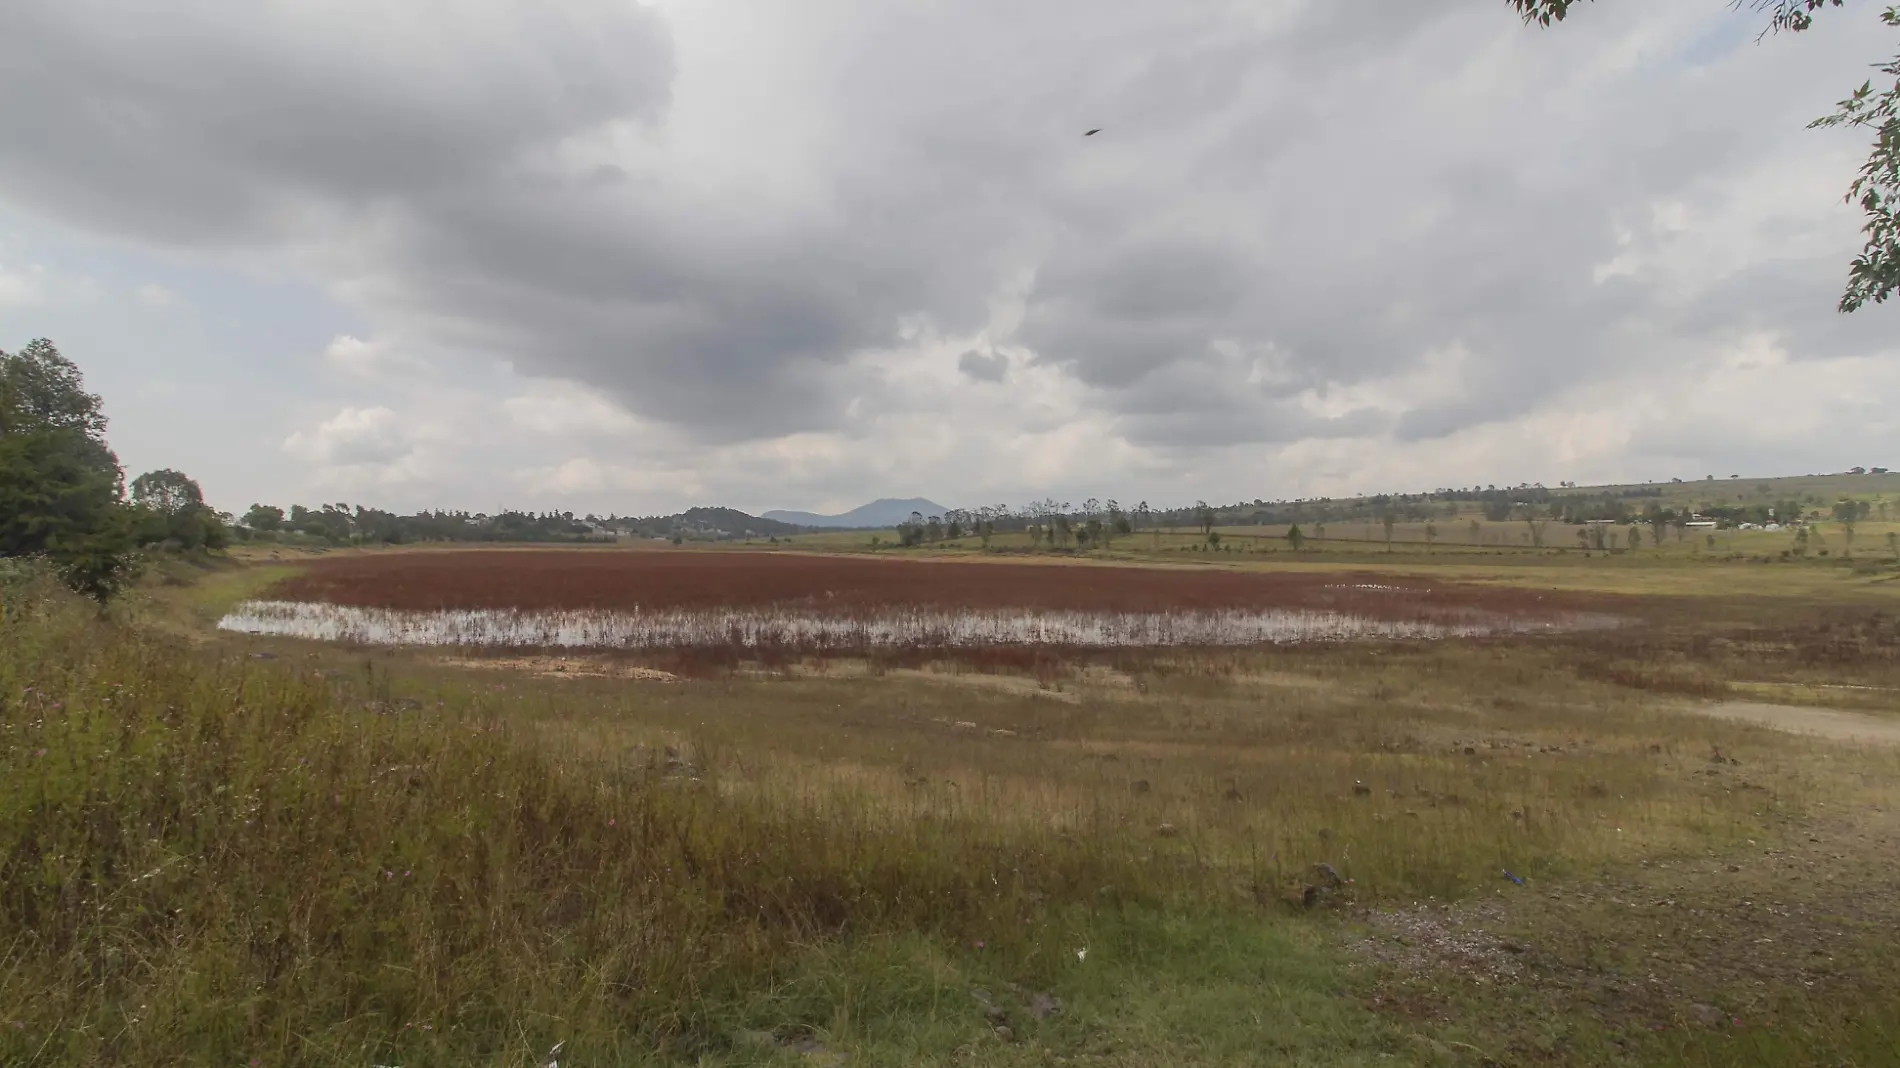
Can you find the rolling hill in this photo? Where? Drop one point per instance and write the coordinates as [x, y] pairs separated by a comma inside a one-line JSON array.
[[884, 512]]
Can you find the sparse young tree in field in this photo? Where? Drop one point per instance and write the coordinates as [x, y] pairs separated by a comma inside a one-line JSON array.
[[1387, 520], [1319, 532], [1583, 539], [1477, 532], [1847, 513], [1431, 535], [1213, 539], [1655, 532], [911, 533], [1635, 538], [1534, 526], [1204, 515], [1294, 538]]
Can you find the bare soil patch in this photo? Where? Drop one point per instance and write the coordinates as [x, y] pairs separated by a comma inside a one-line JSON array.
[[1798, 719], [1758, 940], [561, 667]]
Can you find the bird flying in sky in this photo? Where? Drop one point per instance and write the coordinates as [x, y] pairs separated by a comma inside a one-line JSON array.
[[1093, 132]]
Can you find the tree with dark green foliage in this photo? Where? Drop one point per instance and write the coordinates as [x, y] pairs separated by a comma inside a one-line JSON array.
[[1295, 538], [60, 485], [265, 518], [171, 511], [167, 492], [1874, 275]]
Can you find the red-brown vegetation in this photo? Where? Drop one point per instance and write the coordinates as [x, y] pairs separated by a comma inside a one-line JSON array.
[[555, 579]]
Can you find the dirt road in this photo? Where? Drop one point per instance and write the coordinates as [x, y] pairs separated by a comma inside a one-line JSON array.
[[1825, 722]]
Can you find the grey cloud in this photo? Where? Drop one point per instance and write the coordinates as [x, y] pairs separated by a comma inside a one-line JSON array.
[[198, 123], [1346, 185], [1267, 425], [984, 367]]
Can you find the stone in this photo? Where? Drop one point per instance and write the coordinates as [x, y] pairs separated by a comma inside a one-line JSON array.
[[1707, 1015]]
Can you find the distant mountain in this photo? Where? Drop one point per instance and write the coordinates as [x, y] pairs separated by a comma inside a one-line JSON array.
[[730, 522], [885, 512], [705, 523]]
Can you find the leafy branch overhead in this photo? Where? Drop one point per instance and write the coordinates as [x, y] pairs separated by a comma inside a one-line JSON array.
[[1874, 275]]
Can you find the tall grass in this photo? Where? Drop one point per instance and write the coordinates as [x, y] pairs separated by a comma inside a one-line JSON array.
[[211, 858], [224, 862]]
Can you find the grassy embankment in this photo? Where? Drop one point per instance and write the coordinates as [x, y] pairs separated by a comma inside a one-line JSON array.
[[339, 857]]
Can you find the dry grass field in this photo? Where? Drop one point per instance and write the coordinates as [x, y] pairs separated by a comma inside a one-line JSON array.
[[1636, 844]]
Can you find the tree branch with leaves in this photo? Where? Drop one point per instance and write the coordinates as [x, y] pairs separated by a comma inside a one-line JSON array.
[[1874, 275]]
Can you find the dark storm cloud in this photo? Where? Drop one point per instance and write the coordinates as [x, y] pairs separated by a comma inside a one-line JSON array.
[[984, 366], [198, 122], [1328, 191]]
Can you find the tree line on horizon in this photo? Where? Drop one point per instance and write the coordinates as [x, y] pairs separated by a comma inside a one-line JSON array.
[[64, 498]]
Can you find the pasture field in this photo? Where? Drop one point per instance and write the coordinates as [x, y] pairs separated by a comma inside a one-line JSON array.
[[1612, 843]]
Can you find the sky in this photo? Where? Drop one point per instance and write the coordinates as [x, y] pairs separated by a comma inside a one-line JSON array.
[[606, 256]]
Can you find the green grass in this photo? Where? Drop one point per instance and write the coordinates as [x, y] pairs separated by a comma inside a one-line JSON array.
[[339, 856], [225, 862], [1743, 562]]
